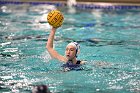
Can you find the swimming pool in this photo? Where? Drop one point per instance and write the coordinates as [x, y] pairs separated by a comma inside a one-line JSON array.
[[109, 39]]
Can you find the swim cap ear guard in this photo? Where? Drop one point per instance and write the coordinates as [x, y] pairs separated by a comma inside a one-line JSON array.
[[77, 48]]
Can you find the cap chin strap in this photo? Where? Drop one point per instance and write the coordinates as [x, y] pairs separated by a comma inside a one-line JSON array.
[[77, 47], [76, 53]]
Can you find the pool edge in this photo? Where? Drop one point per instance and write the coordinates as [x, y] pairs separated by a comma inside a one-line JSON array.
[[80, 5]]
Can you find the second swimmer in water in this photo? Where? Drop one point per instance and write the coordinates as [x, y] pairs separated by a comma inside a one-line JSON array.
[[70, 58]]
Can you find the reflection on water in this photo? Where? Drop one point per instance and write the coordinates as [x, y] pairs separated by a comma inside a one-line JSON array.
[[109, 43]]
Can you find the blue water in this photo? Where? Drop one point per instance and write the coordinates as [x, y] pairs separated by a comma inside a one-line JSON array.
[[109, 39]]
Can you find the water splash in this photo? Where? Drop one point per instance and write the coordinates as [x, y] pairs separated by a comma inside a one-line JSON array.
[[71, 4]]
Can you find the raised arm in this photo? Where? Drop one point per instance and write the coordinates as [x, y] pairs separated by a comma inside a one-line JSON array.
[[51, 50]]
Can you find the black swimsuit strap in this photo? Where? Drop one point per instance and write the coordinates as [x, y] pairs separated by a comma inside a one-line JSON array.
[[78, 62]]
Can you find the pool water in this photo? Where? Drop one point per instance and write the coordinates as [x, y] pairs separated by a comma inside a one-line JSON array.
[[109, 39]]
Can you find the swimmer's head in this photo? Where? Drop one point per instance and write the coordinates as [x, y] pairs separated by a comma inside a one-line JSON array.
[[40, 89], [72, 50]]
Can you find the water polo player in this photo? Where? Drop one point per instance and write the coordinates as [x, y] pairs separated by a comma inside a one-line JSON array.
[[71, 52]]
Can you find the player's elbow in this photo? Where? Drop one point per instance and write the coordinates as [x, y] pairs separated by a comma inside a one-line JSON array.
[[48, 48]]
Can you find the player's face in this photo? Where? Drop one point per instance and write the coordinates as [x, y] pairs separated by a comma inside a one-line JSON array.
[[70, 52]]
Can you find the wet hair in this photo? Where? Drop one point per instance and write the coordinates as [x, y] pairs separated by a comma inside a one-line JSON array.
[[40, 89]]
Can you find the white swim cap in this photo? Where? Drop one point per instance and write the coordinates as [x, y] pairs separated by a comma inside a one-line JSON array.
[[76, 45]]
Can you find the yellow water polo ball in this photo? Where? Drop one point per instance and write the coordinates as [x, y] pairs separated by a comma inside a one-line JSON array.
[[55, 18]]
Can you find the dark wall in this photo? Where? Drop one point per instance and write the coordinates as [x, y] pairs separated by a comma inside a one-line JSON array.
[[112, 1]]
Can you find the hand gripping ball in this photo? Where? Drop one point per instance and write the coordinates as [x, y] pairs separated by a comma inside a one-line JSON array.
[[55, 18]]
